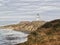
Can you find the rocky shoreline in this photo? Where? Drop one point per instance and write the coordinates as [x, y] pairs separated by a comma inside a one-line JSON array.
[[41, 33]]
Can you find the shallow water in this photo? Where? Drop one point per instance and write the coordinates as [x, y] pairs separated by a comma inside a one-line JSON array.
[[10, 37]]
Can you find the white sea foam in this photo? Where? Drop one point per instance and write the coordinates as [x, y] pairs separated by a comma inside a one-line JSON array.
[[10, 37]]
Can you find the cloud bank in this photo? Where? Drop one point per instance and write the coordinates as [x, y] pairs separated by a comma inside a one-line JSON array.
[[27, 9]]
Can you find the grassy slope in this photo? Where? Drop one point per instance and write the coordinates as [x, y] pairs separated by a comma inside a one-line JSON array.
[[48, 34]]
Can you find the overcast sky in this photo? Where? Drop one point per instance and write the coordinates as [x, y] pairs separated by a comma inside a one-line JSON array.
[[17, 10]]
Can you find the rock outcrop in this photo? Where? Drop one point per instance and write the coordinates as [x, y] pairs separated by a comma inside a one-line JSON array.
[[25, 26]]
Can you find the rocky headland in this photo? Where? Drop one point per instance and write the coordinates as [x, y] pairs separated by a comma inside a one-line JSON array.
[[48, 34]]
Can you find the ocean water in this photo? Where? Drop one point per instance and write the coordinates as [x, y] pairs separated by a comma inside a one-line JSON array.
[[2, 23], [11, 37]]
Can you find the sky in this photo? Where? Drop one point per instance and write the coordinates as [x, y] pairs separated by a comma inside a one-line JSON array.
[[18, 10]]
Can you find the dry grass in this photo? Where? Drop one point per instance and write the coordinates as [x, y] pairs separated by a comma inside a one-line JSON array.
[[48, 34]]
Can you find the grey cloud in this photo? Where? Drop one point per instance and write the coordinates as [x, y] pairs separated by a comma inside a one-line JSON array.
[[29, 8]]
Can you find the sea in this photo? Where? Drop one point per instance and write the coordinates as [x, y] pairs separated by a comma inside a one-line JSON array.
[[2, 23], [11, 37]]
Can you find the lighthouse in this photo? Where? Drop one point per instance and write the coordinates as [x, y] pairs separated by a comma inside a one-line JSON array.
[[38, 17]]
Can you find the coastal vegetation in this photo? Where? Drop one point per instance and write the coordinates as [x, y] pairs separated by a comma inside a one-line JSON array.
[[25, 26], [48, 34], [41, 32]]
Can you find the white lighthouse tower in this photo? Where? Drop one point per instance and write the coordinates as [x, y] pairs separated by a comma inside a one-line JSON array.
[[38, 17]]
